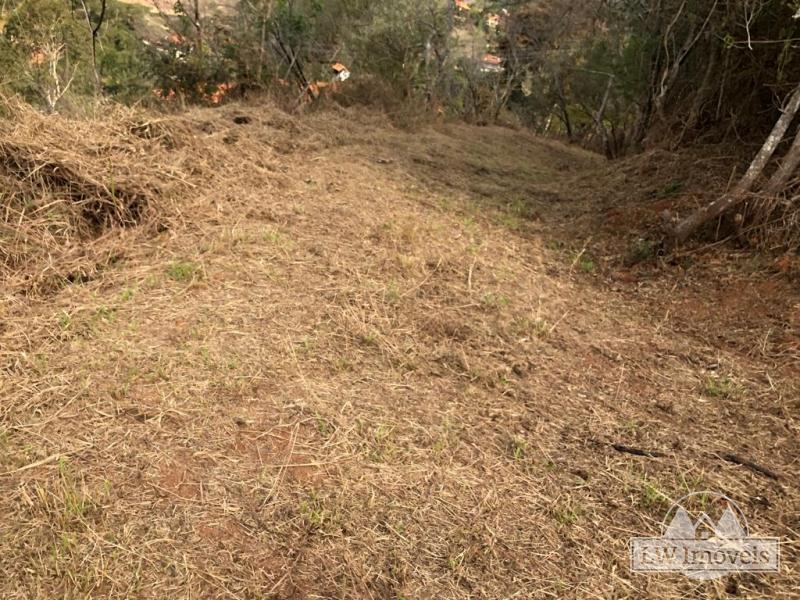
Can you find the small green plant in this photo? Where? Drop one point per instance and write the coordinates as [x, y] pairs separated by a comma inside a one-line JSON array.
[[205, 354], [382, 447], [455, 562], [76, 504], [313, 513], [583, 261], [342, 364], [673, 188], [382, 433], [440, 445], [392, 293], [522, 208], [475, 248], [120, 392], [565, 515], [721, 387], [63, 466], [105, 314], [324, 428], [41, 363], [510, 221], [183, 271], [127, 295], [304, 345], [64, 321], [541, 328], [370, 338], [67, 541], [536, 327], [630, 426], [272, 236], [692, 483], [640, 251], [652, 497], [518, 448], [495, 301], [587, 265]]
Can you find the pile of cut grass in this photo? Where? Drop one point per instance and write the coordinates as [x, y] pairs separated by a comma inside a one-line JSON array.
[[66, 185]]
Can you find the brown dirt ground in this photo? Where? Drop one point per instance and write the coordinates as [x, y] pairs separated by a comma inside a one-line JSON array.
[[352, 361]]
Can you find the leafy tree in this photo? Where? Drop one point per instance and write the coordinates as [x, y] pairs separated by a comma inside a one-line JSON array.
[[44, 48], [46, 53]]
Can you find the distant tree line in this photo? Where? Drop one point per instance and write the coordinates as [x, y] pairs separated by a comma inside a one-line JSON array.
[[614, 75], [623, 75]]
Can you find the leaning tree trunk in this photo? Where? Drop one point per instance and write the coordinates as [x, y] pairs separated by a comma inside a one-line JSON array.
[[562, 104], [787, 167], [705, 90], [689, 225], [600, 116], [94, 31]]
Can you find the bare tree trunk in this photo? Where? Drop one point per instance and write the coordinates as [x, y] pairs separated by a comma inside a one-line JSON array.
[[654, 21], [702, 95], [671, 72], [94, 31], [59, 84], [689, 225], [642, 123], [428, 76], [562, 103], [262, 50], [567, 122], [198, 26], [786, 169], [600, 116], [504, 95]]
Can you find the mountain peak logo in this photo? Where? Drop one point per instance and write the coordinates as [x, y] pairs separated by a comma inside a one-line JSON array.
[[703, 547], [682, 527]]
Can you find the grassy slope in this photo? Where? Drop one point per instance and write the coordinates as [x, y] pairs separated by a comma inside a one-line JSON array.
[[368, 363]]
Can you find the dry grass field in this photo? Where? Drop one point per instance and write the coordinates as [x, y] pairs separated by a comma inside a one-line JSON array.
[[247, 355]]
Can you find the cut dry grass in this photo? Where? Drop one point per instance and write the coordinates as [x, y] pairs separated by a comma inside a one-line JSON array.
[[66, 185], [338, 371]]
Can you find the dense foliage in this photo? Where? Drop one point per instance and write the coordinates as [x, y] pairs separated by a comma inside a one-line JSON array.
[[612, 74], [45, 52]]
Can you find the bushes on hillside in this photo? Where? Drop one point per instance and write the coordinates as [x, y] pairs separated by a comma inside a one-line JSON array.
[[45, 52]]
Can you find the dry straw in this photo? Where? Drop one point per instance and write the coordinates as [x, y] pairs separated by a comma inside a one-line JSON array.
[[248, 355]]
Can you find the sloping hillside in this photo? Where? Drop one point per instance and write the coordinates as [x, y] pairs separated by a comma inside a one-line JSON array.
[[328, 358]]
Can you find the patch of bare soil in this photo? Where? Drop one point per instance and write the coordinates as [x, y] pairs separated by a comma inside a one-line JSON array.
[[358, 362]]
